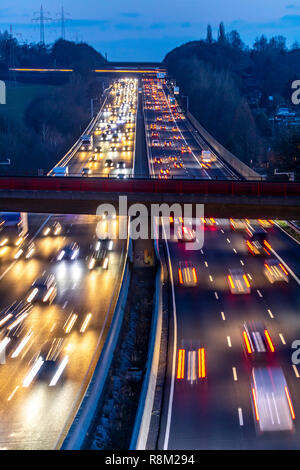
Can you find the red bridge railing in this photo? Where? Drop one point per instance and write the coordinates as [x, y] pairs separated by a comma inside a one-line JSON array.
[[133, 185]]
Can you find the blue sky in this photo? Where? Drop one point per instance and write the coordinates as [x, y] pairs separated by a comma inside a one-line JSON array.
[[148, 29]]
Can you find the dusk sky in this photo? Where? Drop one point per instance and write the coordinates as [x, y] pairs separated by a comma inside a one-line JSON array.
[[147, 30]]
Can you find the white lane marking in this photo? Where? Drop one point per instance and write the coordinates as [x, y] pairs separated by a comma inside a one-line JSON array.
[[234, 250], [228, 240], [242, 262], [234, 374], [211, 279], [202, 252], [229, 341], [222, 230], [216, 295], [282, 338], [296, 371], [223, 316], [270, 313], [13, 393], [206, 264], [240, 412], [250, 277], [65, 304], [259, 293]]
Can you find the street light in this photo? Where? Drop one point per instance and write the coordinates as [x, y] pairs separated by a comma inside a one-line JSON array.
[[187, 102], [92, 106]]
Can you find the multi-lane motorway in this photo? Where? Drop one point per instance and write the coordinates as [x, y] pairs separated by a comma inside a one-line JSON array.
[[35, 415], [218, 394], [230, 372]]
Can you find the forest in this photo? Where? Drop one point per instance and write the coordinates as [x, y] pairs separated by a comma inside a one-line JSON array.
[[229, 86]]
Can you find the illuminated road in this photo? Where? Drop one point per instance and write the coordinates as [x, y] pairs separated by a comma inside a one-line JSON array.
[[208, 402], [38, 416]]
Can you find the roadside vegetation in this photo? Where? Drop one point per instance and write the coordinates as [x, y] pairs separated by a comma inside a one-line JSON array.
[[116, 415], [40, 123]]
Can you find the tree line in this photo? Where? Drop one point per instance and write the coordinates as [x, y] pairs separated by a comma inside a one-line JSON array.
[[55, 118], [230, 84]]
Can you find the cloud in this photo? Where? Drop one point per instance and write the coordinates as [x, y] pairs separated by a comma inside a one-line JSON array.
[[159, 25], [128, 27], [130, 14], [292, 7]]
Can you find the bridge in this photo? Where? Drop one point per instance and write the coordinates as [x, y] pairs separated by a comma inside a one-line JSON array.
[[222, 199], [140, 68]]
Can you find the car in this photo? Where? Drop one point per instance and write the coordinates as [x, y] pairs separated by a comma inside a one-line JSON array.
[[186, 234], [48, 364], [271, 400], [257, 341], [238, 225], [275, 271], [256, 240], [121, 164], [69, 252], [108, 163], [238, 282], [266, 223], [98, 149], [13, 316], [86, 171], [187, 274], [104, 244], [25, 252], [54, 361], [43, 290], [121, 176], [99, 258], [52, 229], [191, 362], [93, 158]]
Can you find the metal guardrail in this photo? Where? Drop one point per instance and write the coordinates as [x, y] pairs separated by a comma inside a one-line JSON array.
[[85, 415], [240, 167], [147, 395], [74, 149]]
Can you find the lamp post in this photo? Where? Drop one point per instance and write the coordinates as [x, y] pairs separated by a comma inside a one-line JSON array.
[[92, 106]]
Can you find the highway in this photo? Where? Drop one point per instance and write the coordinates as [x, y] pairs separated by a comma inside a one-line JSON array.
[[35, 415], [210, 401]]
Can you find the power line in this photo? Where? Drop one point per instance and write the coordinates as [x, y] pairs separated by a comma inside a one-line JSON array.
[[41, 18], [62, 18]]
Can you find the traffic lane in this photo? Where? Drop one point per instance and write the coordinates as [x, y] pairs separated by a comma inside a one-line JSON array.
[[48, 321], [8, 253], [278, 312], [204, 415], [24, 272], [236, 310], [192, 163]]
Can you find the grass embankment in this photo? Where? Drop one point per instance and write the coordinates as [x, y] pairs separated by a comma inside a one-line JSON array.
[[18, 97], [115, 418], [288, 229]]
